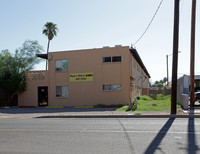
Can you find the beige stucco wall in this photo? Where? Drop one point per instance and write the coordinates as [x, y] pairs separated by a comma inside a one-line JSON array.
[[87, 92], [139, 79], [91, 92], [34, 79]]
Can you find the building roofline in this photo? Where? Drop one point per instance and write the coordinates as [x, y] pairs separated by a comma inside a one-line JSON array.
[[104, 47], [44, 56], [139, 60]]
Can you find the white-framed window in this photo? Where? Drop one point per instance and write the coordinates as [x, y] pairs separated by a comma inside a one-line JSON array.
[[62, 91], [112, 59], [112, 87], [61, 65]]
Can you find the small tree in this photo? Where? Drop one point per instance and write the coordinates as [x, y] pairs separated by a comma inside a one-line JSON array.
[[164, 79], [12, 77], [159, 85]]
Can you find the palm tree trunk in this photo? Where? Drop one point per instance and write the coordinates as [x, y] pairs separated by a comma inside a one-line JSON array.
[[47, 53]]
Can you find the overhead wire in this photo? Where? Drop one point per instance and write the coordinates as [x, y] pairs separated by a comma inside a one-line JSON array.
[[148, 24]]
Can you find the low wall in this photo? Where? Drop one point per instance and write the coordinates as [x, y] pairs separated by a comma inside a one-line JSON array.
[[184, 99]]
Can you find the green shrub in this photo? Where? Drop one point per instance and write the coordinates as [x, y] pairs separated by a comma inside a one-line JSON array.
[[167, 97], [146, 98], [123, 108], [159, 97]]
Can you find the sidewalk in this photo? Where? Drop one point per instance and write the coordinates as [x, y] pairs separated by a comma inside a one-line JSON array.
[[70, 112]]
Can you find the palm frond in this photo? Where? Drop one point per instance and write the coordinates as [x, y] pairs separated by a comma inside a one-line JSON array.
[[50, 30]]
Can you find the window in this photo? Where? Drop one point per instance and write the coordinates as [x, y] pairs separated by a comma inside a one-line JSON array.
[[112, 59], [106, 59], [116, 59], [106, 87], [62, 91], [61, 65], [114, 87]]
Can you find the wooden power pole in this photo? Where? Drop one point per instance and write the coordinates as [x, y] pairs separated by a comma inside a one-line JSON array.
[[175, 57], [192, 54]]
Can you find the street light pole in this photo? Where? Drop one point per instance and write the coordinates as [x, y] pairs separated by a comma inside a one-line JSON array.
[[167, 56], [175, 57], [167, 70]]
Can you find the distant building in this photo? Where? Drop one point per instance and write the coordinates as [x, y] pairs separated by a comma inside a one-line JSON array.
[[183, 85], [108, 75]]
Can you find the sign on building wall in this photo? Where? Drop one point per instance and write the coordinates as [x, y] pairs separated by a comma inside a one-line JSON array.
[[79, 77]]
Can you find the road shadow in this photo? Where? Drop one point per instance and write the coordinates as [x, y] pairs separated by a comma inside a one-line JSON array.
[[159, 137], [18, 110], [192, 145], [192, 148]]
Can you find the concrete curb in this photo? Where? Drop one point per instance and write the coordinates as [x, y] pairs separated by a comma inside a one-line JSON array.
[[90, 113], [120, 116]]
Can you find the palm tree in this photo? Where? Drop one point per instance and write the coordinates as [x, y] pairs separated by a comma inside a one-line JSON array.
[[50, 30]]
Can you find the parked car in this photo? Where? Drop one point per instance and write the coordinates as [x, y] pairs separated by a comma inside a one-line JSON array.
[[197, 96]]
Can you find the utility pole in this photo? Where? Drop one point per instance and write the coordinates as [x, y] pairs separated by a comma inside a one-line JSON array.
[[192, 54], [175, 57]]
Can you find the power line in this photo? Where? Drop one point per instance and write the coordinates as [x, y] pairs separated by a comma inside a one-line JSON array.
[[149, 23]]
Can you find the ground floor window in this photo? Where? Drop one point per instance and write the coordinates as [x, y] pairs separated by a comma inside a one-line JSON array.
[[62, 91], [112, 87]]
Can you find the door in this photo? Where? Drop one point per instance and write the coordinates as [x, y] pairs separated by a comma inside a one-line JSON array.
[[42, 96]]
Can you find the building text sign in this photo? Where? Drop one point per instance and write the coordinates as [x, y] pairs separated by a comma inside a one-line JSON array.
[[79, 77]]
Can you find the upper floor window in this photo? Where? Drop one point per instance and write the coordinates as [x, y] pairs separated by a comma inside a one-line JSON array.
[[112, 59], [61, 65]]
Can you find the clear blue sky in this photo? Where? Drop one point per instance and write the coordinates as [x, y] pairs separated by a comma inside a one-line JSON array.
[[85, 24]]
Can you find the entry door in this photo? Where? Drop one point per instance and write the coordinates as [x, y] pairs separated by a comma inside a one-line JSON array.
[[42, 96]]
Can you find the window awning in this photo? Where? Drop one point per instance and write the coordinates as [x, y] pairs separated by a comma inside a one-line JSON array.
[[44, 56]]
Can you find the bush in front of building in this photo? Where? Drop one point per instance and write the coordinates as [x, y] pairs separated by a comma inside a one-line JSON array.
[[145, 97]]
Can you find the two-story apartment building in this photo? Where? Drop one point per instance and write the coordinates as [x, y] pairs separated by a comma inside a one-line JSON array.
[[108, 75]]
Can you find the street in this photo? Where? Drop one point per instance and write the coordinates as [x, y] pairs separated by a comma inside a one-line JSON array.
[[107, 136]]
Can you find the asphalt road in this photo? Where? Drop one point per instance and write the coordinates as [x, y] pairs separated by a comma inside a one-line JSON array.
[[100, 136]]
